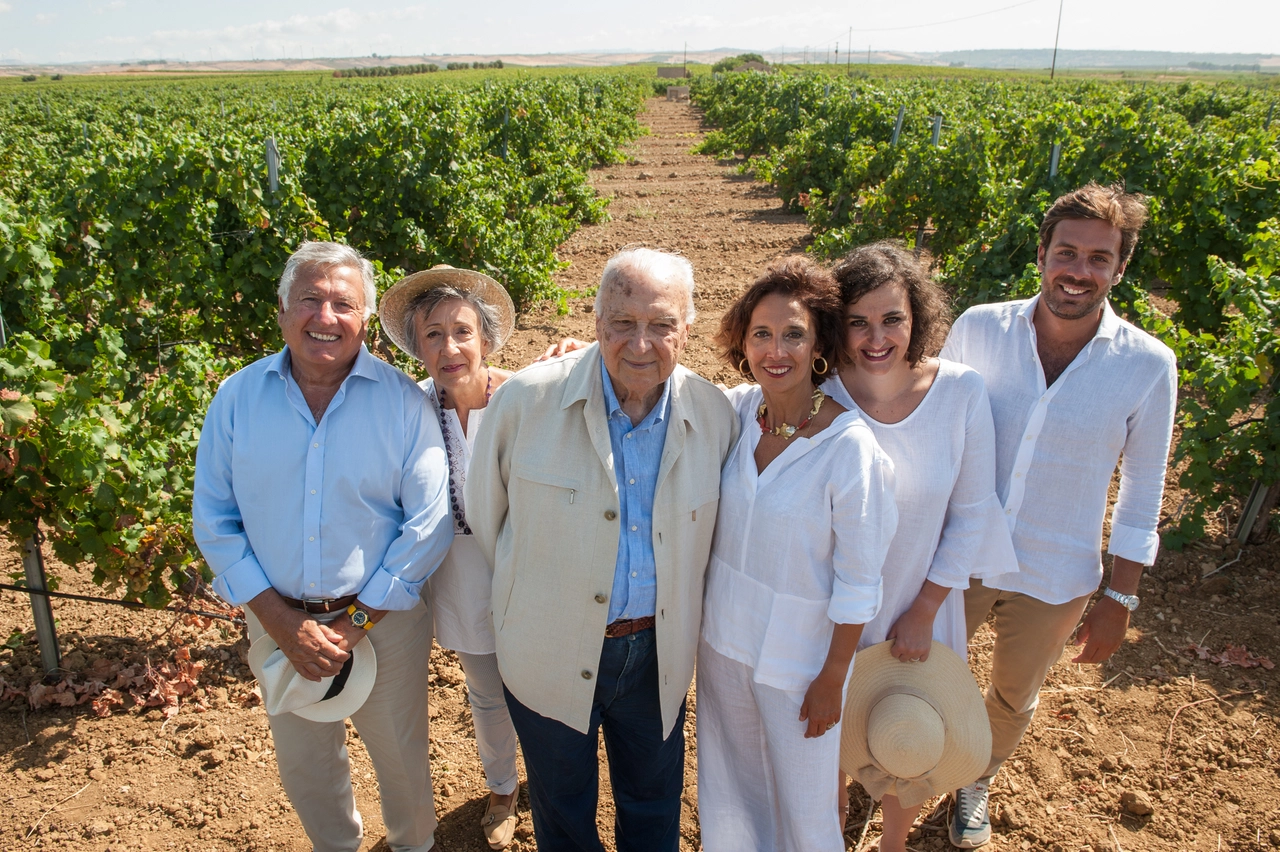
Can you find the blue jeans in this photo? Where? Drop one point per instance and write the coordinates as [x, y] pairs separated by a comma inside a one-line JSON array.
[[647, 772]]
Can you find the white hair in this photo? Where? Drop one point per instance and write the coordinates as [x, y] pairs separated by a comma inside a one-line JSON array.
[[328, 256], [657, 265]]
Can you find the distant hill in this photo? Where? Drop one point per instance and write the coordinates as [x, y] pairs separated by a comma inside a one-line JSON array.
[[1148, 59]]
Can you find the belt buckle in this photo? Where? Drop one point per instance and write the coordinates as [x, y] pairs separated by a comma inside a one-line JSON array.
[[321, 602]]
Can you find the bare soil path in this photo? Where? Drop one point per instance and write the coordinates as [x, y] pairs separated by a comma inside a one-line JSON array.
[[1181, 721]]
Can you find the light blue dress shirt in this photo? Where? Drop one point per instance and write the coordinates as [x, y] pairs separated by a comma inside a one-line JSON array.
[[356, 504], [637, 454]]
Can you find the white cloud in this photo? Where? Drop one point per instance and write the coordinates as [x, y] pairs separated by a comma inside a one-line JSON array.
[[5, 7]]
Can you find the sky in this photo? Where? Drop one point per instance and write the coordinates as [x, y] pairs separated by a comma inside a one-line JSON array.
[[49, 31]]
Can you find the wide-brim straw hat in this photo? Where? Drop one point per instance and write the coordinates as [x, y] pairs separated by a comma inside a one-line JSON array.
[[914, 730], [332, 699], [396, 301]]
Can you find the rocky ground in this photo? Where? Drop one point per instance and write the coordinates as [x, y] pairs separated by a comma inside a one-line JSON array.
[[1172, 745]]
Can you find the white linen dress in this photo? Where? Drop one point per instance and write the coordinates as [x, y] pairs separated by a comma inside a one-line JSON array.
[[458, 594], [950, 522], [798, 548]]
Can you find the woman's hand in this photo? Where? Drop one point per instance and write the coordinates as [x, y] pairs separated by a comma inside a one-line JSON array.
[[912, 633], [564, 347], [822, 704]]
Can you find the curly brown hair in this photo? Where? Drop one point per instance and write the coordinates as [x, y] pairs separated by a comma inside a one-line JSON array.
[[870, 267], [798, 278], [1124, 210]]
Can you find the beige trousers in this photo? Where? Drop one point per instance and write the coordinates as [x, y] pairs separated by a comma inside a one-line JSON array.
[[312, 756], [1030, 635]]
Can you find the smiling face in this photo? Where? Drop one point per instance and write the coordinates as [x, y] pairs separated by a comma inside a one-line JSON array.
[[325, 324], [878, 330], [780, 344], [1079, 267], [449, 343], [642, 332]]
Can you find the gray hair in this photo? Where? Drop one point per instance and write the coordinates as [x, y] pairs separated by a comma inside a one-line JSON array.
[[425, 303], [327, 256], [650, 263]]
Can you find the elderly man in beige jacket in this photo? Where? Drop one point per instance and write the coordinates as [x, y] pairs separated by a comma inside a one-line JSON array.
[[593, 491]]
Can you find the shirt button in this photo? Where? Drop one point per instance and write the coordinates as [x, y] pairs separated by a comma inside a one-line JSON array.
[[634, 528], [586, 675], [1017, 476], [315, 445], [313, 491], [634, 574], [631, 482], [1028, 438], [628, 436], [313, 585], [609, 514], [1008, 511], [601, 599]]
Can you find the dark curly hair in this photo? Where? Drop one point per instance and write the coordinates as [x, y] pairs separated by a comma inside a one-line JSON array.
[[870, 267], [798, 278]]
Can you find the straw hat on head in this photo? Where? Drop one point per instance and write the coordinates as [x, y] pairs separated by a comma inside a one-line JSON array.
[[332, 699], [396, 301], [913, 730]]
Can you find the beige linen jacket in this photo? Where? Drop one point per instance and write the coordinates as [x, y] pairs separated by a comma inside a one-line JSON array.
[[542, 501]]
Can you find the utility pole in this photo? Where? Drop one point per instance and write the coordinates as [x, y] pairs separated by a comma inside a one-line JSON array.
[[686, 59], [1054, 67], [868, 54], [848, 54]]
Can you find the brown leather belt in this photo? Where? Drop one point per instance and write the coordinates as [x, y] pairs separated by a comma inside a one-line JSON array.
[[320, 605], [627, 626]]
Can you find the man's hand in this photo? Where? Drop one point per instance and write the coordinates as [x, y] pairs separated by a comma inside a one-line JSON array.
[[312, 647], [564, 347], [351, 635], [1102, 631]]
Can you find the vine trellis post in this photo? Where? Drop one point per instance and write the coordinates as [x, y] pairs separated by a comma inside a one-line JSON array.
[[41, 611]]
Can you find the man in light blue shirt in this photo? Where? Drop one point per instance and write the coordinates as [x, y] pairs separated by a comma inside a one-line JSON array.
[[321, 506]]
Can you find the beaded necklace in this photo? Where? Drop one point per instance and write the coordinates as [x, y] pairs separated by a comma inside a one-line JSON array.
[[786, 430], [460, 521]]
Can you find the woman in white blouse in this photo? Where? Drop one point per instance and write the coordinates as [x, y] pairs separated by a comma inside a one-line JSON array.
[[452, 320], [805, 518], [932, 418]]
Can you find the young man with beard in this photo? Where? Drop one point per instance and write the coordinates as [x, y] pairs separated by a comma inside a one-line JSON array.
[[1074, 389]]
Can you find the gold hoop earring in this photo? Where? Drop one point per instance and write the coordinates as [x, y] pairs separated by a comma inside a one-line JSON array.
[[825, 366], [745, 369]]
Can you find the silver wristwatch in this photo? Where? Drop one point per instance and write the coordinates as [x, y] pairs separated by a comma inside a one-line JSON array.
[[1129, 602]]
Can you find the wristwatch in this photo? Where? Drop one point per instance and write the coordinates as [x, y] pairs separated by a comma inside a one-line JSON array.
[[1129, 602], [360, 618]]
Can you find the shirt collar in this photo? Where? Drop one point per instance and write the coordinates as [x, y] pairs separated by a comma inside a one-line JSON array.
[[364, 367], [1107, 328], [612, 406]]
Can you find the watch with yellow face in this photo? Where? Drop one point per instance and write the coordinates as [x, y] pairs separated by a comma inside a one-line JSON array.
[[359, 617]]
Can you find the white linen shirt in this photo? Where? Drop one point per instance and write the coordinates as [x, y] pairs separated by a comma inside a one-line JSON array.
[[799, 547], [950, 522], [1057, 446], [458, 591]]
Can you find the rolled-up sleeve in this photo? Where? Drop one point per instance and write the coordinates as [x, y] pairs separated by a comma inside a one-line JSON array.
[[427, 530], [216, 520], [975, 539], [1136, 516], [864, 519]]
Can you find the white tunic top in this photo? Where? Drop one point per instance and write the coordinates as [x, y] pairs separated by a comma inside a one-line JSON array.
[[460, 589], [950, 522], [798, 547], [1057, 445]]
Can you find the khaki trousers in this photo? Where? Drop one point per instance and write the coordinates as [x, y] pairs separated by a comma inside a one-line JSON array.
[[312, 756], [1030, 635]]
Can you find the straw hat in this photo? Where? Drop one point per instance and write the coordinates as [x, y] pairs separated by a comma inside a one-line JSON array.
[[286, 691], [397, 299], [914, 730]]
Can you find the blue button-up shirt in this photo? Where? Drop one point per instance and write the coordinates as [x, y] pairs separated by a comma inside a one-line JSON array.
[[355, 504], [637, 453]]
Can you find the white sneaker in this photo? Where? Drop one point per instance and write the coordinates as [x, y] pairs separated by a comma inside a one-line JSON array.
[[971, 821]]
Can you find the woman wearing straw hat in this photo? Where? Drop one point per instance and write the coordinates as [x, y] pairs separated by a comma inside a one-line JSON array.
[[452, 320], [932, 418], [805, 518]]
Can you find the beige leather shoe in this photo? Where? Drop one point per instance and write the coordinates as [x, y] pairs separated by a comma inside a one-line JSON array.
[[499, 823]]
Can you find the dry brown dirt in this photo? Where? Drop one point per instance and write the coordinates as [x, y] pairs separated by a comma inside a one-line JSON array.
[[1194, 740]]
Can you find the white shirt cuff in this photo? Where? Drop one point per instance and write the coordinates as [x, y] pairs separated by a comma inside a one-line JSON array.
[[1134, 544], [383, 591], [854, 604]]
